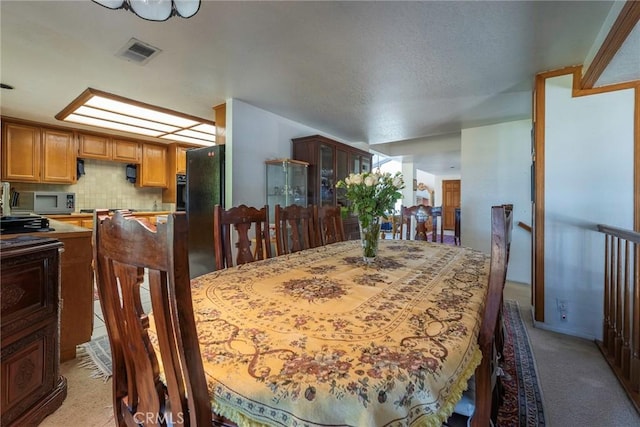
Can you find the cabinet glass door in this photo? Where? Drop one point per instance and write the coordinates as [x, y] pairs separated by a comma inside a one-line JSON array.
[[366, 164], [286, 184], [355, 165], [343, 171], [327, 176]]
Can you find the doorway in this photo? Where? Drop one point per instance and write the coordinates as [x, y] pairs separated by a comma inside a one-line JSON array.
[[450, 201]]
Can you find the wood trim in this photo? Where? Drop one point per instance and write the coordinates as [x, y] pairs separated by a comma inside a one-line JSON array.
[[220, 112], [538, 211], [636, 166], [621, 28], [524, 226], [90, 92]]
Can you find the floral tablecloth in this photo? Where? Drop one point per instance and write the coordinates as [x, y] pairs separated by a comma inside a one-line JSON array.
[[317, 338]]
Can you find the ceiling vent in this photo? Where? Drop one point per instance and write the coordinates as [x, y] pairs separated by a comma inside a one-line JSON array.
[[138, 51]]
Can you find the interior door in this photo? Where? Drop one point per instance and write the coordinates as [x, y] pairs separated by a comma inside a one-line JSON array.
[[450, 201]]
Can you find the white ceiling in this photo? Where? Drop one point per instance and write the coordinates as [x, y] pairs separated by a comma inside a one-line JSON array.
[[387, 74]]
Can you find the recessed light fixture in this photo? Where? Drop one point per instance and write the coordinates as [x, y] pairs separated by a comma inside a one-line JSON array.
[[102, 109]]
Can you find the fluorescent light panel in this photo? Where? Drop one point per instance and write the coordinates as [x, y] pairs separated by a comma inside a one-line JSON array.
[[101, 109]]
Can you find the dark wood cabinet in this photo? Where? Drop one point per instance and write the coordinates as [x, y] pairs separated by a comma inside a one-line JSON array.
[[329, 162], [32, 387]]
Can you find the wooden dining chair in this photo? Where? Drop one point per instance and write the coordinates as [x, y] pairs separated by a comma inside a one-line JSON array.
[[295, 228], [482, 398], [418, 215], [330, 228], [456, 227], [437, 222], [123, 248], [234, 231]]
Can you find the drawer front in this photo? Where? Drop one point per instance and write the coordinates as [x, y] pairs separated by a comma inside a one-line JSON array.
[[28, 371], [26, 293]]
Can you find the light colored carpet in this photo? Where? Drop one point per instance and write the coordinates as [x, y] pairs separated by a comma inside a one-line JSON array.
[[578, 386], [88, 402]]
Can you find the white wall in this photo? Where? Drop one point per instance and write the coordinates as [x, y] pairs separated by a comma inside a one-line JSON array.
[[254, 136], [588, 180], [496, 169]]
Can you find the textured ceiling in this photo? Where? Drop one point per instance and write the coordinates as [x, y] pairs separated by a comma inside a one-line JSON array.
[[365, 72]]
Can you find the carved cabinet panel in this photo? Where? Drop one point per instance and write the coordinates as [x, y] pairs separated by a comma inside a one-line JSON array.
[[32, 387]]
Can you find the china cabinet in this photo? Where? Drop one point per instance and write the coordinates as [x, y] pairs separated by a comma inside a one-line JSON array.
[[286, 184], [329, 162]]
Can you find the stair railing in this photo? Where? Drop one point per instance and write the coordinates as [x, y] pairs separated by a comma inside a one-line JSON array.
[[621, 324]]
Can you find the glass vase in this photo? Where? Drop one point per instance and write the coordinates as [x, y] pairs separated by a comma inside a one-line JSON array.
[[369, 235]]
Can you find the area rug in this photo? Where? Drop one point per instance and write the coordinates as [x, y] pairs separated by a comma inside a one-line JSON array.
[[96, 356], [523, 404]]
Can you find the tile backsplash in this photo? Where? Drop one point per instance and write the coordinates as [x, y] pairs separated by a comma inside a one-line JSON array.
[[104, 185]]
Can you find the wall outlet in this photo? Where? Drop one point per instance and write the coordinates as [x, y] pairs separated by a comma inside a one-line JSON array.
[[563, 304], [563, 308]]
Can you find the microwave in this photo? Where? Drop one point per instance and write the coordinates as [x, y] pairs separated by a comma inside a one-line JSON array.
[[46, 202]]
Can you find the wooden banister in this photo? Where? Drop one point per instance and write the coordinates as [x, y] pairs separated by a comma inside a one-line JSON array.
[[524, 226], [620, 343]]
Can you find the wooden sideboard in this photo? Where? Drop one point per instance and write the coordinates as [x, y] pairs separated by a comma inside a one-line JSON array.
[[32, 387], [76, 286]]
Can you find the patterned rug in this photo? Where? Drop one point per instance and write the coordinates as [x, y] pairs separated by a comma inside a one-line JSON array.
[[522, 406], [96, 355]]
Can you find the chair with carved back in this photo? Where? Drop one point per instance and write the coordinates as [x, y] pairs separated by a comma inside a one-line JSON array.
[[295, 228], [482, 398], [123, 248], [330, 228], [417, 215], [234, 231], [456, 227], [437, 221]]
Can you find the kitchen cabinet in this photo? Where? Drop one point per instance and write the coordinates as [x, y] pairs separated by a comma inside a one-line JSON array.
[[31, 384], [176, 164], [32, 153], [94, 146], [153, 168], [126, 151], [329, 162], [58, 156], [104, 147], [181, 160]]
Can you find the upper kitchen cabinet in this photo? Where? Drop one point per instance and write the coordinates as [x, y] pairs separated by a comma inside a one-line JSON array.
[[126, 151], [177, 159], [176, 165], [153, 168], [94, 146], [33, 153], [329, 162], [104, 147]]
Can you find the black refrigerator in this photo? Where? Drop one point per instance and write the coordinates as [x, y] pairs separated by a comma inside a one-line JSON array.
[[205, 188]]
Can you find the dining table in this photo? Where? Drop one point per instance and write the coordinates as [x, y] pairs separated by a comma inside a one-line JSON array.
[[321, 338]]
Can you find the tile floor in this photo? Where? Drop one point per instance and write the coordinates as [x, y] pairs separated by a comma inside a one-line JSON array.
[[99, 328]]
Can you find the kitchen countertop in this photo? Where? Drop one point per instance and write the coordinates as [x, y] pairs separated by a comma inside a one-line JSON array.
[[61, 229], [90, 215]]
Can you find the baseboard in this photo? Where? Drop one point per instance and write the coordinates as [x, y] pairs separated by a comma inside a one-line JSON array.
[[569, 332]]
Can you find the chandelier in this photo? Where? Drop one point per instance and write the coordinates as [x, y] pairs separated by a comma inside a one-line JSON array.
[[155, 10]]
